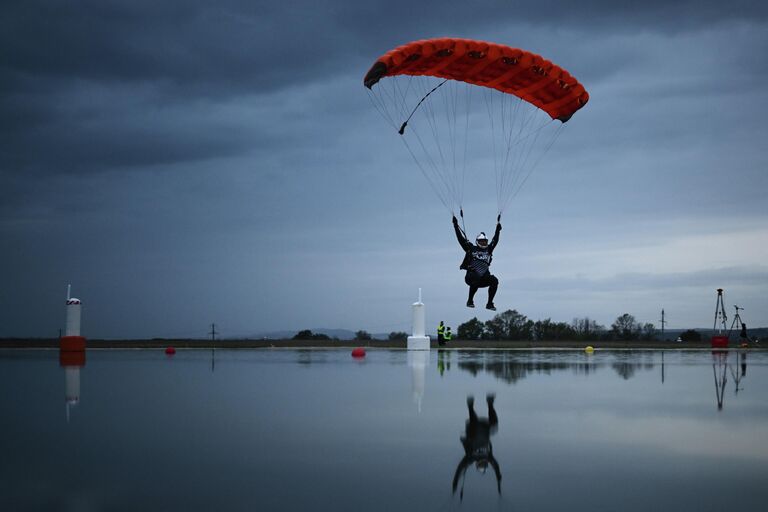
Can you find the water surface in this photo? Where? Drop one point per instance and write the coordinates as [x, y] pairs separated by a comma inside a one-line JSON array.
[[315, 429]]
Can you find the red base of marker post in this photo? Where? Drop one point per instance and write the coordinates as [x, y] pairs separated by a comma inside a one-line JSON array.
[[72, 343]]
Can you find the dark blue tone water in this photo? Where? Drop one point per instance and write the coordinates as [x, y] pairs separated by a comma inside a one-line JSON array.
[[314, 429]]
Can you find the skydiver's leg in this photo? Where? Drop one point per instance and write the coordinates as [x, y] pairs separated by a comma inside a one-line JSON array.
[[492, 287], [471, 408], [471, 298], [471, 282], [493, 420]]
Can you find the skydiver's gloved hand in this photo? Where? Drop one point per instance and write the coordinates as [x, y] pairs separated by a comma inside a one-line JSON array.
[[455, 221], [498, 222]]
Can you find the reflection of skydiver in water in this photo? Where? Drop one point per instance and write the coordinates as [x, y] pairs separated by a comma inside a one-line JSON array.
[[477, 444]]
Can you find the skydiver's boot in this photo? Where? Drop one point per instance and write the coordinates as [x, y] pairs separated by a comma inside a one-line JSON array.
[[471, 298], [492, 293]]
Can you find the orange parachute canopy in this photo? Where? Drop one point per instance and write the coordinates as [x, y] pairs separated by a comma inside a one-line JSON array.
[[528, 76]]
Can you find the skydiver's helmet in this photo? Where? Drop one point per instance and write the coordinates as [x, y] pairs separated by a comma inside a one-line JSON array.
[[481, 466], [482, 240]]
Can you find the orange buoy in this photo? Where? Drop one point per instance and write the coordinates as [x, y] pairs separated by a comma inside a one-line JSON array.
[[170, 351], [358, 352]]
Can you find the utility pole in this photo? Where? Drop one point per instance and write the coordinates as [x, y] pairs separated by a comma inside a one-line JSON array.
[[213, 347], [663, 322], [213, 332]]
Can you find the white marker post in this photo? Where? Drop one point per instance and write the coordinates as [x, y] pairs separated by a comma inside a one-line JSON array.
[[72, 340], [419, 340], [72, 352]]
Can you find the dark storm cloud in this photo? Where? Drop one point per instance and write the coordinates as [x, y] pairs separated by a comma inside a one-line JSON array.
[[95, 83], [230, 46]]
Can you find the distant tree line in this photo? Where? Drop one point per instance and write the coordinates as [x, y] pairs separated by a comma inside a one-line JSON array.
[[306, 334], [361, 335], [512, 325], [393, 336]]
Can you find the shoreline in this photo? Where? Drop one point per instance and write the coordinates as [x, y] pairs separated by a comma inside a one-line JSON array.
[[53, 343]]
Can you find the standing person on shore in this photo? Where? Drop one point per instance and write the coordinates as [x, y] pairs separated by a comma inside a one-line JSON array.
[[447, 335], [477, 261], [440, 332]]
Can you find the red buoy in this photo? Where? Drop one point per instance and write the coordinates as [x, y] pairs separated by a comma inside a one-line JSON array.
[[170, 351], [358, 352]]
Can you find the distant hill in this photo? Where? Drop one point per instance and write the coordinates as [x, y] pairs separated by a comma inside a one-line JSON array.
[[342, 334]]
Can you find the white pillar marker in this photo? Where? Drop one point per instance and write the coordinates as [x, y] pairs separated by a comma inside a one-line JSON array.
[[73, 314], [418, 340]]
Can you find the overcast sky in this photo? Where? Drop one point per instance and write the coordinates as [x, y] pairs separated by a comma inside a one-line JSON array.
[[183, 163]]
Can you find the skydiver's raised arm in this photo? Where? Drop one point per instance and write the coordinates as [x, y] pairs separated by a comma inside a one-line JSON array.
[[496, 470], [460, 236], [460, 470], [495, 238]]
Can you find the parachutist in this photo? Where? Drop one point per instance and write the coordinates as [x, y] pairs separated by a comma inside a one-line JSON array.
[[477, 261]]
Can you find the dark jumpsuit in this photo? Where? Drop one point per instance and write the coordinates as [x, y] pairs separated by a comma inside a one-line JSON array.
[[477, 261]]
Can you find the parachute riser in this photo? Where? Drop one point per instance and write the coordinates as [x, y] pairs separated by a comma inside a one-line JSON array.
[[401, 131]]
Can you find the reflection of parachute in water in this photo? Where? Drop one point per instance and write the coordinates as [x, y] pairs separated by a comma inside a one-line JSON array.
[[460, 102]]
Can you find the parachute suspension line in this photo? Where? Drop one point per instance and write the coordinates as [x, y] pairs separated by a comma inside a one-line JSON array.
[[443, 191], [442, 124], [403, 106], [445, 153], [381, 108], [512, 176], [440, 170], [468, 95], [533, 166], [391, 102], [452, 112], [517, 118], [488, 97], [405, 123], [510, 171], [429, 179], [517, 141]]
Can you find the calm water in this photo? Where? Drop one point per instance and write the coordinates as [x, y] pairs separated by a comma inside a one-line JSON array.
[[314, 429]]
